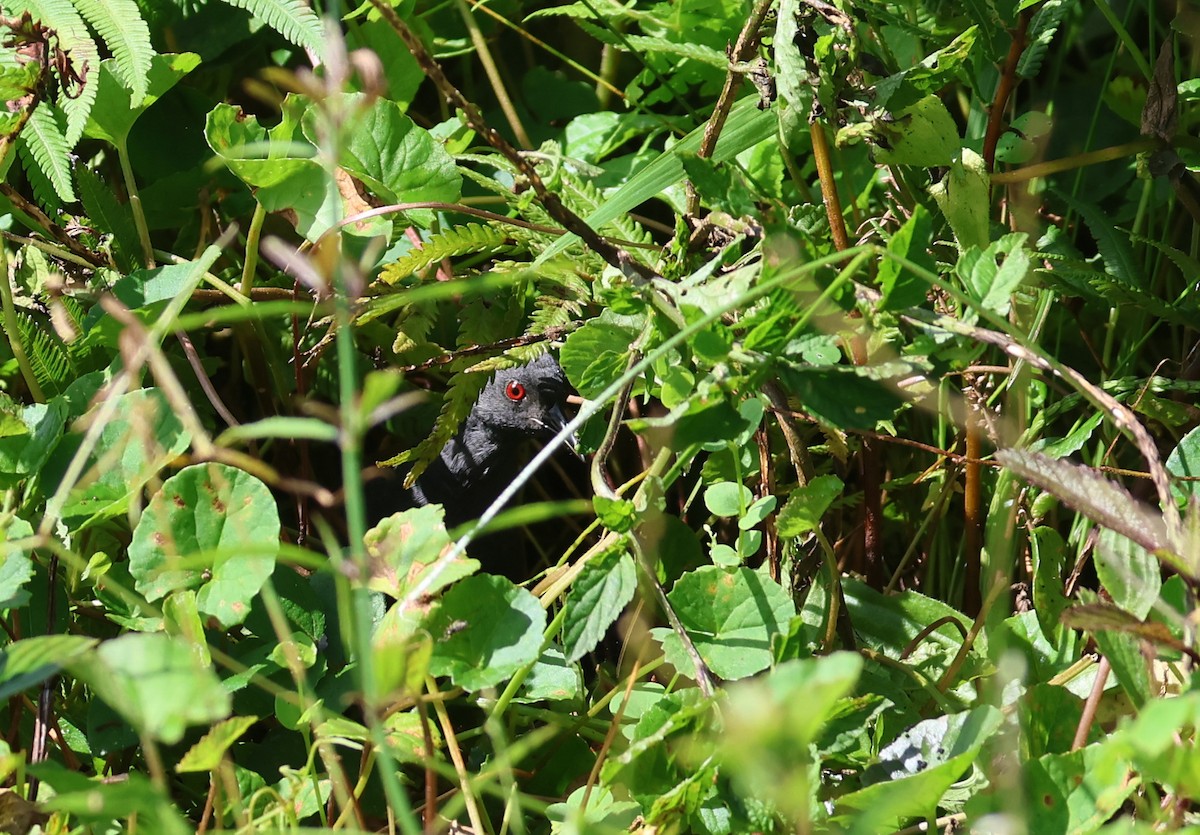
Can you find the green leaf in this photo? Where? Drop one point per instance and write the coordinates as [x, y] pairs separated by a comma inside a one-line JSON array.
[[140, 438], [745, 128], [156, 683], [900, 288], [1184, 462], [993, 274], [597, 597], [210, 527], [208, 752], [484, 630], [45, 140], [727, 498], [404, 547], [120, 25], [119, 105], [294, 19], [1128, 572], [1079, 791], [732, 618], [16, 567], [596, 354], [108, 215], [552, 679], [398, 161], [278, 164], [617, 515], [30, 661], [30, 437], [963, 195], [844, 396], [806, 505], [924, 134], [90, 800]]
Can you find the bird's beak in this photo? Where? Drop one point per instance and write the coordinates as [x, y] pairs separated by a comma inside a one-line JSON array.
[[556, 420]]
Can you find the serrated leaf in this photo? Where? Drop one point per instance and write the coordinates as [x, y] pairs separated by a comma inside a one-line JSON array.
[[597, 598], [120, 25], [45, 140], [468, 239], [108, 215], [293, 19], [805, 507], [1112, 243], [1042, 29]]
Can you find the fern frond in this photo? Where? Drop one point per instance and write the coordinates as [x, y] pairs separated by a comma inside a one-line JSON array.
[[108, 215], [460, 398], [43, 138], [120, 25], [1041, 32], [73, 36], [291, 18], [49, 356], [469, 239]]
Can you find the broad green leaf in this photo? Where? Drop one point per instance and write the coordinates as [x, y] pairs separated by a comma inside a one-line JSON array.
[[30, 661], [846, 396], [16, 566], [1079, 791], [484, 630], [278, 164], [597, 597], [732, 618], [398, 161], [141, 437], [924, 135], [552, 679], [1128, 572], [619, 515], [596, 354], [963, 195], [993, 274], [404, 546], [1184, 463], [212, 528], [208, 752], [143, 676], [806, 505], [29, 438], [119, 104], [901, 288], [727, 498]]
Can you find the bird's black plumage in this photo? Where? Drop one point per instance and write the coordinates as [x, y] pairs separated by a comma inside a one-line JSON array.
[[516, 405]]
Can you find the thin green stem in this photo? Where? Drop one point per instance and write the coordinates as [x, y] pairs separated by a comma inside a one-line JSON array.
[[252, 237], [1126, 39], [135, 203]]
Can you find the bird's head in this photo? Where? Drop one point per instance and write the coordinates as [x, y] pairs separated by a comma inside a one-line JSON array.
[[526, 401]]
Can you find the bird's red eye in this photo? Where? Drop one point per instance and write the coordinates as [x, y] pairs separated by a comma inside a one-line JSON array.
[[514, 391]]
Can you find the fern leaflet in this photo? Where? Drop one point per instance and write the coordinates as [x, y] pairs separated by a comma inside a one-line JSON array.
[[120, 25], [290, 18], [470, 239]]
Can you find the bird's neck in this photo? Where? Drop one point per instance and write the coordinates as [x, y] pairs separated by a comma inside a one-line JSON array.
[[474, 453]]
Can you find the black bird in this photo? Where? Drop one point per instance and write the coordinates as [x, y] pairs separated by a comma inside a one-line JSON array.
[[517, 405]]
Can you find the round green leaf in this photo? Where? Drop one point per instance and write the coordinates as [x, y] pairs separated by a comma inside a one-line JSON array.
[[732, 618], [212, 528], [485, 630], [727, 498]]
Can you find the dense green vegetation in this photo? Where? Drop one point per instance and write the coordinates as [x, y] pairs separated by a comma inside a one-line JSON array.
[[884, 320]]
